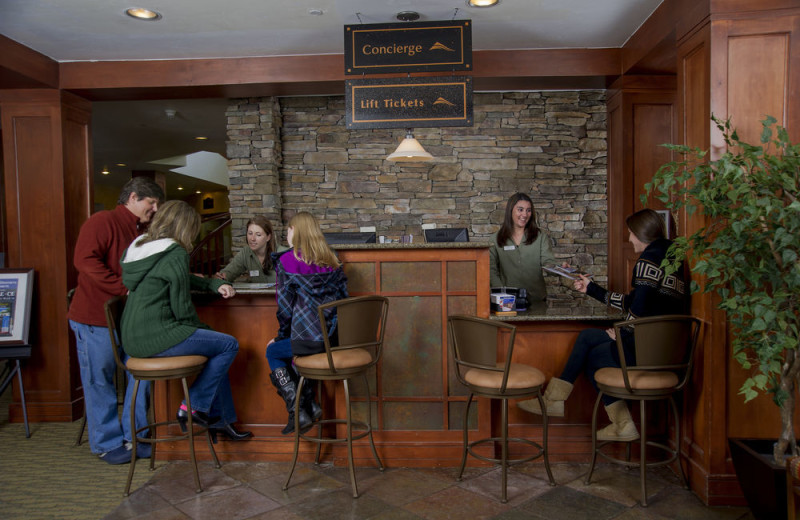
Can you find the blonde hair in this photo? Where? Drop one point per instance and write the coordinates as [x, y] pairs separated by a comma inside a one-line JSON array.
[[307, 239], [177, 220]]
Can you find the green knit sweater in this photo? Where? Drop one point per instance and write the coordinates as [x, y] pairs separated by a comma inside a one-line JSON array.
[[159, 312]]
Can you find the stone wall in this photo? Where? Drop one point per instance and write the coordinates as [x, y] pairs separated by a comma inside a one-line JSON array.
[[550, 145]]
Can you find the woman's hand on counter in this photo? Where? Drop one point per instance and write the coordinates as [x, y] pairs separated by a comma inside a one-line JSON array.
[[226, 291]]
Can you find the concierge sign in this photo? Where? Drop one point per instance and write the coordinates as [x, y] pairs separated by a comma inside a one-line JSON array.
[[408, 47], [409, 102]]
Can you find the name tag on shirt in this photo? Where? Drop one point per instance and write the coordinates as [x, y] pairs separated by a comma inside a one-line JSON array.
[[254, 273], [509, 248]]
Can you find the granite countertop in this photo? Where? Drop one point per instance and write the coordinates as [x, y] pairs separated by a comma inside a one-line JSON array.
[[586, 309], [254, 288], [415, 245]]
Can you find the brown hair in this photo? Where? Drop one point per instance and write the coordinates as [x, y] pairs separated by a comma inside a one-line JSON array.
[[142, 187], [309, 241], [507, 229], [272, 244], [647, 225], [177, 220]]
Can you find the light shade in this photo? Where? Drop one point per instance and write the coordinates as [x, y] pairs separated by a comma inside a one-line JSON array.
[[482, 3], [410, 151]]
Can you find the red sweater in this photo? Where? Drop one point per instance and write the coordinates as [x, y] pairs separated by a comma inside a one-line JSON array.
[[101, 242]]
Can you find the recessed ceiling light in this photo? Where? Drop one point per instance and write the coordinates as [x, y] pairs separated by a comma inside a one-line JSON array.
[[180, 188], [482, 3], [105, 171], [201, 138], [407, 16], [198, 192], [316, 12], [140, 13], [121, 164]]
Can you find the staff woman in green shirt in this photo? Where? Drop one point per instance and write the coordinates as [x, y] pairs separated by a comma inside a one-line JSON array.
[[254, 261], [520, 250]]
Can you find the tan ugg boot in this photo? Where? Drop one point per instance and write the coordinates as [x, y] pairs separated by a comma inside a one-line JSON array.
[[554, 396], [622, 428]]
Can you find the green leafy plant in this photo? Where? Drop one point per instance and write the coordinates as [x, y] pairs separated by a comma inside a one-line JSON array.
[[747, 252]]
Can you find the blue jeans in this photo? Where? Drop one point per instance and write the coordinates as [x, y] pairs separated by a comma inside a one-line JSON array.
[[211, 390], [96, 359], [279, 354], [593, 350]]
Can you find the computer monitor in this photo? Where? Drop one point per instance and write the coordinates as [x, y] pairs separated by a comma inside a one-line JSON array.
[[447, 235], [350, 237]]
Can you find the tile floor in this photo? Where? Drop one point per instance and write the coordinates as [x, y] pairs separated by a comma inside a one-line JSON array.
[[252, 490]]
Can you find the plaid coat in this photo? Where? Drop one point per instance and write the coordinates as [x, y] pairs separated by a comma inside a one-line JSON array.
[[298, 296]]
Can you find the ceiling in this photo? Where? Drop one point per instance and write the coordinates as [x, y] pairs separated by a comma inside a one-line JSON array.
[[137, 132]]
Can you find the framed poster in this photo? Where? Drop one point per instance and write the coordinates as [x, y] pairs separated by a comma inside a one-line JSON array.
[[16, 293]]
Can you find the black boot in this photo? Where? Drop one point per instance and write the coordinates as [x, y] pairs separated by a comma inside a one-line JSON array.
[[307, 397], [287, 389]]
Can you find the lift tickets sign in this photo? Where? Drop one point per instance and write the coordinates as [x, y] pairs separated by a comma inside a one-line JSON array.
[[409, 102], [408, 47]]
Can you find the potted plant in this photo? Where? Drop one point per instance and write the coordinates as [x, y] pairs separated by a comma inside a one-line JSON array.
[[747, 253]]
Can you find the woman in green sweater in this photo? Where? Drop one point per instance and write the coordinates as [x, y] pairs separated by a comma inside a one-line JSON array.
[[519, 250], [254, 260], [160, 320]]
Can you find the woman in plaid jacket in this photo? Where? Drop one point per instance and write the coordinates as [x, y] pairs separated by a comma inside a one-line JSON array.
[[307, 276]]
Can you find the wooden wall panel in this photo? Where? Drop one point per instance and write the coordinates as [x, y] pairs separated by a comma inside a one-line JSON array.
[[759, 78], [641, 118], [43, 146]]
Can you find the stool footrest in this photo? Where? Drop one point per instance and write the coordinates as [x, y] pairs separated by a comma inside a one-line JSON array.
[[509, 462], [362, 427], [198, 430], [673, 455]]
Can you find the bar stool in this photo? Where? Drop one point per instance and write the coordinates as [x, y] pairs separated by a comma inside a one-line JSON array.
[[156, 369], [664, 347], [361, 326], [484, 366]]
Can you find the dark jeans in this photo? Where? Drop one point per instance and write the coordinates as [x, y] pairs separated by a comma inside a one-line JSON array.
[[594, 350], [211, 390], [279, 354]]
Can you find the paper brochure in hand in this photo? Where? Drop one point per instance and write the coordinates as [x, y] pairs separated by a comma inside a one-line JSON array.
[[566, 272]]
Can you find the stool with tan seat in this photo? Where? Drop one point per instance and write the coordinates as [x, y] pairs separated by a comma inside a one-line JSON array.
[[483, 365], [664, 349], [157, 369], [360, 329]]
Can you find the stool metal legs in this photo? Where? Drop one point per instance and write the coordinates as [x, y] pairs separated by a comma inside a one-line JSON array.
[[349, 437], [504, 461], [153, 440], [674, 454]]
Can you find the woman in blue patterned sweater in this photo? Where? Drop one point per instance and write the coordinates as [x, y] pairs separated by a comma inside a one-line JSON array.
[[307, 276], [653, 294]]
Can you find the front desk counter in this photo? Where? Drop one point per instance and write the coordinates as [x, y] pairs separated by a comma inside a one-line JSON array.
[[417, 404]]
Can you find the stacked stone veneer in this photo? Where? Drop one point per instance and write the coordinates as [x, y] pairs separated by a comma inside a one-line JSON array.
[[295, 154]]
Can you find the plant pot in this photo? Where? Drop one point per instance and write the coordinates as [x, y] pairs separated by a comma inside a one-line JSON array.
[[762, 481]]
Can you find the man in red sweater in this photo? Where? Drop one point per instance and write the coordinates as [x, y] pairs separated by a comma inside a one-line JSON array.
[[101, 242]]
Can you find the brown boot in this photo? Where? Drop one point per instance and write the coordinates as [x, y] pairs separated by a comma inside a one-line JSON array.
[[554, 396], [622, 428]]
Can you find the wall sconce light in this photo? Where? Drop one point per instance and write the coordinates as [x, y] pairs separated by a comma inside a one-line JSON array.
[[409, 151]]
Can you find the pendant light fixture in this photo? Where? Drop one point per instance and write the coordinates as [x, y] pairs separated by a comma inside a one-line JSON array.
[[410, 151]]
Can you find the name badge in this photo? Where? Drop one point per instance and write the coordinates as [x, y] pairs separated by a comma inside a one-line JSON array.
[[255, 273], [509, 248]]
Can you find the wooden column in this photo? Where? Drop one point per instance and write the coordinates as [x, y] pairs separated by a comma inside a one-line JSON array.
[[641, 117], [47, 197], [742, 63]]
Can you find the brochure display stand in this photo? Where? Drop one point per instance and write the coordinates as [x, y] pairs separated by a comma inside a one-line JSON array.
[[16, 290]]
